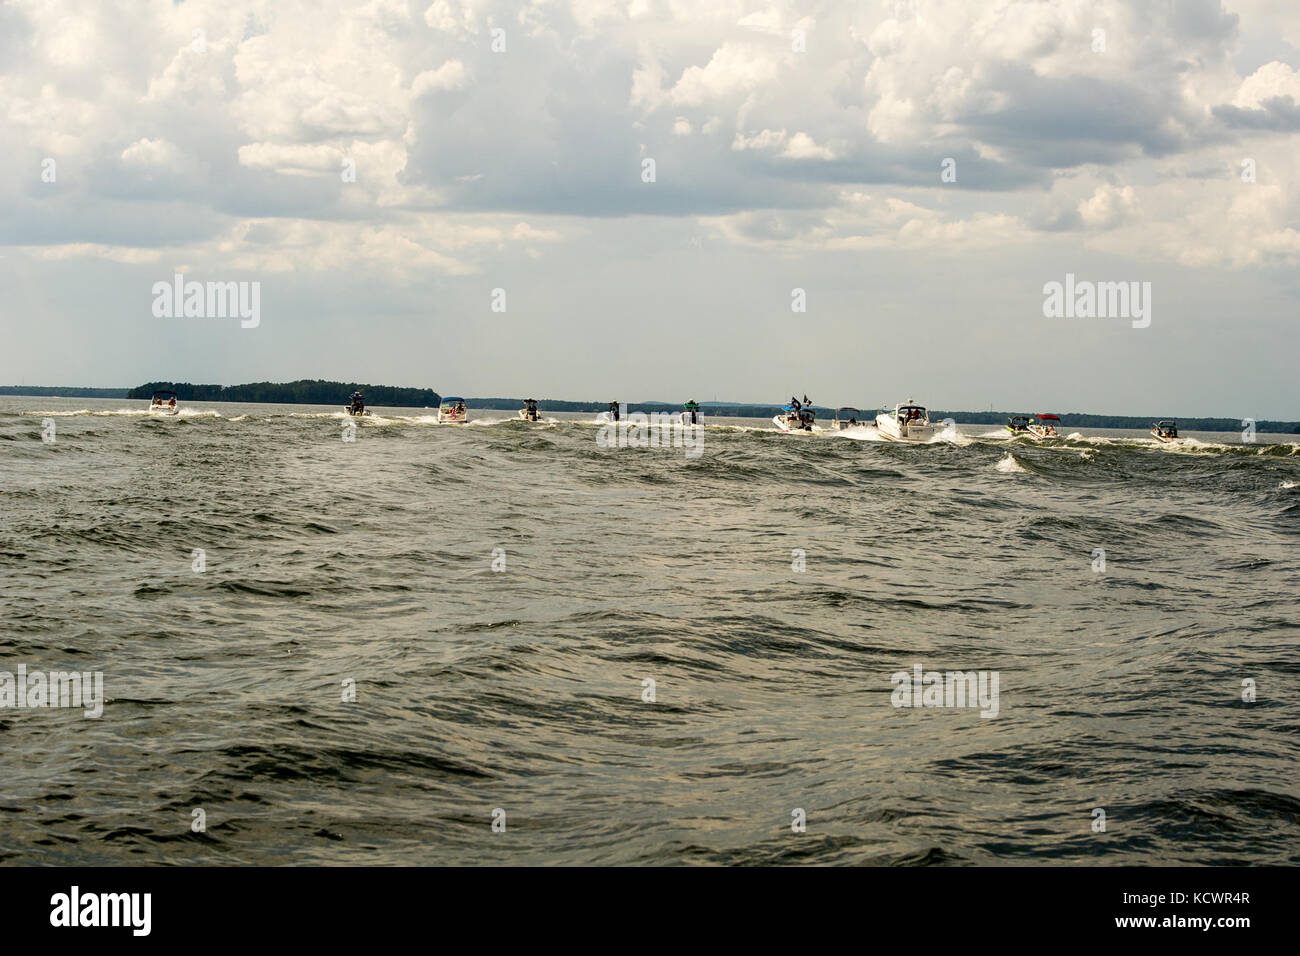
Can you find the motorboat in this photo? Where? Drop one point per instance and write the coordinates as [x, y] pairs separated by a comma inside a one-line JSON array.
[[529, 412], [691, 414], [1018, 425], [907, 422], [795, 417], [1165, 430], [849, 417], [1034, 427], [452, 411], [163, 402], [1047, 426], [610, 417], [357, 405]]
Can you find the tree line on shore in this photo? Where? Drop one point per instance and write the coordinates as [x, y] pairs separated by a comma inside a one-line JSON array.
[[302, 392]]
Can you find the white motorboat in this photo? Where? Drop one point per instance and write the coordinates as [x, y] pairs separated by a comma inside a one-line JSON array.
[[691, 414], [1165, 431], [452, 411], [849, 417], [163, 403], [357, 406], [907, 422], [529, 412], [794, 419]]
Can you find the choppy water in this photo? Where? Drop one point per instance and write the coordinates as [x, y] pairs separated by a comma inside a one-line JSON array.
[[371, 561]]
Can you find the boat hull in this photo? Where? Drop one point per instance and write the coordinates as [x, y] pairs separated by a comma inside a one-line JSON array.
[[788, 427], [916, 433]]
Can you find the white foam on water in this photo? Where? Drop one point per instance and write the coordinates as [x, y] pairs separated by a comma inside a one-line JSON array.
[[1009, 466], [861, 434], [1287, 485], [951, 436]]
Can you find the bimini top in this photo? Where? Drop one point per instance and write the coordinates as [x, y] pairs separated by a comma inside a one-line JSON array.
[[909, 407], [1166, 423], [1042, 416], [162, 393], [452, 399], [691, 404], [847, 408]]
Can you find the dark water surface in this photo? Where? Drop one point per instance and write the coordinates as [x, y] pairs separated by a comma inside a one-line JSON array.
[[372, 561]]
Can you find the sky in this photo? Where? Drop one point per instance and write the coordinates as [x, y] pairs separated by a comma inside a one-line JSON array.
[[629, 200]]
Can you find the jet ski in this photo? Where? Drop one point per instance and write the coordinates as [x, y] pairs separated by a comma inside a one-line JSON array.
[[529, 412]]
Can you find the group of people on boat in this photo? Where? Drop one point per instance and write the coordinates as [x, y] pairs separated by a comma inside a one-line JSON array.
[[159, 403], [799, 415], [529, 412], [357, 405]]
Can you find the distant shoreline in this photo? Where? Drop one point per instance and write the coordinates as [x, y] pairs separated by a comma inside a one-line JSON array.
[[376, 395]]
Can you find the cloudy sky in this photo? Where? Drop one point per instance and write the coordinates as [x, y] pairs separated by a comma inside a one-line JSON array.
[[795, 145]]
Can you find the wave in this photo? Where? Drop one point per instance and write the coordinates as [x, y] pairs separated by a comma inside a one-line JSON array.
[[1010, 466]]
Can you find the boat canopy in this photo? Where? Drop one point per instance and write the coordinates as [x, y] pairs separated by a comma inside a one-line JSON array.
[[1044, 417], [849, 408], [1166, 423], [691, 404], [452, 400], [162, 393], [909, 408]]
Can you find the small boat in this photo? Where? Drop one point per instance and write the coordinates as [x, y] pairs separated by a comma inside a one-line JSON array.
[[529, 412], [163, 403], [907, 422], [691, 414], [1165, 430], [795, 417], [1047, 426], [609, 417], [357, 406], [452, 411], [849, 417], [1018, 425], [1035, 428]]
